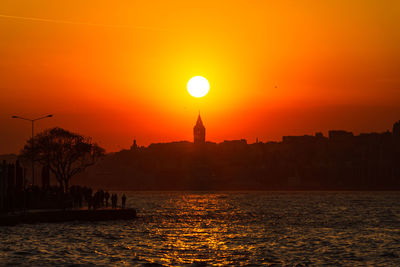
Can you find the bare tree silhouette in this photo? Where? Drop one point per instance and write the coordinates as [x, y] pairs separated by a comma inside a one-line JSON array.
[[65, 153]]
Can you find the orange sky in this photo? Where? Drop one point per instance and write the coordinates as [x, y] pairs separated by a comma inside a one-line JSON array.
[[115, 70]]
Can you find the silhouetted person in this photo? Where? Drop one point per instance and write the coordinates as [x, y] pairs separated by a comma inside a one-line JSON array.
[[101, 198], [113, 201], [123, 201], [106, 196], [89, 201], [97, 200], [87, 193]]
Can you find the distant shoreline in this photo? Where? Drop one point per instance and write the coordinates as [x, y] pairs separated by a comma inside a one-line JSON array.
[[259, 190]]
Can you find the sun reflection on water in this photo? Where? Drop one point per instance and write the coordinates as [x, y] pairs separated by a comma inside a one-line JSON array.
[[198, 230]]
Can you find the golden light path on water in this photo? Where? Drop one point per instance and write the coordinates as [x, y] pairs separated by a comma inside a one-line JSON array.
[[242, 228]]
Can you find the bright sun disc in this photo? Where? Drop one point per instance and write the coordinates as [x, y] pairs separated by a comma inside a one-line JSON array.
[[198, 86]]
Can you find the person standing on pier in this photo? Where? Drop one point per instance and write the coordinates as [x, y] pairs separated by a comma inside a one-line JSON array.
[[123, 201], [106, 196], [89, 201], [116, 200]]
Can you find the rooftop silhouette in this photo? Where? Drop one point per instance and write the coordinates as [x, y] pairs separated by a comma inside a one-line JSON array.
[[339, 161]]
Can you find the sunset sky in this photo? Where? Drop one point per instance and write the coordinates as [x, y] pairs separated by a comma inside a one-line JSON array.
[[117, 70]]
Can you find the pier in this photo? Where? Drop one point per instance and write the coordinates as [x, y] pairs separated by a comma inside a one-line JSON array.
[[59, 216]]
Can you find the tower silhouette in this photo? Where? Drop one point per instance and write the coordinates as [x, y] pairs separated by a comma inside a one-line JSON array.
[[396, 129], [199, 132]]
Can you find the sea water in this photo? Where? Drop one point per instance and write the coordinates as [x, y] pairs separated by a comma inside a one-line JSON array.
[[222, 228]]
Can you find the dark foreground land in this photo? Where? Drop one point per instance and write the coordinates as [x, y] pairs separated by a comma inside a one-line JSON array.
[[57, 216]]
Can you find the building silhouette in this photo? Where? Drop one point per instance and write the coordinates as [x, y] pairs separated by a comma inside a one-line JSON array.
[[199, 132], [134, 146], [396, 129]]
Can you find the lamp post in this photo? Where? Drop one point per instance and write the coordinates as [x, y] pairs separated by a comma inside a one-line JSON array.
[[32, 121]]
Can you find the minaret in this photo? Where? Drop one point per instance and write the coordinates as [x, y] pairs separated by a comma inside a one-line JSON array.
[[134, 146], [199, 132], [396, 130]]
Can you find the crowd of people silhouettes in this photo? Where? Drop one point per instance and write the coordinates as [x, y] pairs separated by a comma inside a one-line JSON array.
[[17, 194]]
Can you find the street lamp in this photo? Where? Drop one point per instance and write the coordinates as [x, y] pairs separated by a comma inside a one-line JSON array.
[[32, 121]]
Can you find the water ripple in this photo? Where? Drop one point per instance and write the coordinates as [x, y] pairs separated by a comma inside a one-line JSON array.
[[242, 228]]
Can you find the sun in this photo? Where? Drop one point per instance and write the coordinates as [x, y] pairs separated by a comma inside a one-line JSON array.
[[198, 86]]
